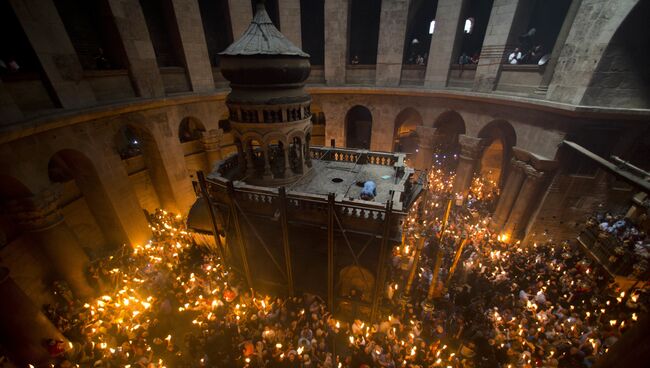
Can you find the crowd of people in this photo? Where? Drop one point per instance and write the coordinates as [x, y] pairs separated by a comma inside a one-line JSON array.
[[169, 303]]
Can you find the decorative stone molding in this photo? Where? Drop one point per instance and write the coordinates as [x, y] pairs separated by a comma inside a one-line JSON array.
[[212, 139], [470, 147]]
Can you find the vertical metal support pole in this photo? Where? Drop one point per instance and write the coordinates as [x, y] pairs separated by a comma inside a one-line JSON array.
[[414, 266], [213, 215], [455, 263], [444, 221], [285, 237], [330, 251], [240, 236], [381, 267]]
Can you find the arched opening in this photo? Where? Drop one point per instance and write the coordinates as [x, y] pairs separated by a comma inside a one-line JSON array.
[[419, 30], [358, 127], [312, 25], [449, 125], [190, 129], [275, 149], [363, 32], [92, 31], [215, 16], [404, 137], [499, 138], [144, 164], [296, 154], [475, 21], [544, 23], [84, 202]]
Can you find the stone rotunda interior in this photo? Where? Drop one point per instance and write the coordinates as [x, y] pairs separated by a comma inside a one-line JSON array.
[[324, 183]]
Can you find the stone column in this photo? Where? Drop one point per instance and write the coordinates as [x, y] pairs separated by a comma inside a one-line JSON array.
[[250, 163], [470, 151], [241, 13], [212, 146], [39, 216], [557, 48], [520, 214], [143, 67], [287, 163], [290, 20], [390, 51], [195, 49], [9, 111], [47, 35], [506, 19], [336, 41], [445, 42], [23, 326], [509, 193], [267, 161], [426, 138]]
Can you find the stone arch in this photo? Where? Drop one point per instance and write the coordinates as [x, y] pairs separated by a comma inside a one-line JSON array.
[[622, 77], [449, 125], [358, 127], [359, 278], [190, 129], [147, 146], [404, 137], [78, 175], [498, 139]]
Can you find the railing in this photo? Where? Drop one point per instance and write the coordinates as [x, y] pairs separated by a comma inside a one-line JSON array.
[[360, 157], [607, 251]]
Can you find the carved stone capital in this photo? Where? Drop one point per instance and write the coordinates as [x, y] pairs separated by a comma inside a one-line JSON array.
[[212, 139], [470, 147], [426, 136], [38, 212], [532, 173]]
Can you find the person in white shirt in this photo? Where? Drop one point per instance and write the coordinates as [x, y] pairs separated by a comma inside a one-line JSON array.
[[515, 57]]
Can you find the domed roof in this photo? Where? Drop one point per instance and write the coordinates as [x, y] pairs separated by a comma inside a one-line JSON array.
[[262, 38]]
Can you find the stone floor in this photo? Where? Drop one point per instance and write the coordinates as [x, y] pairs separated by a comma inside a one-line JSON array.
[[324, 177]]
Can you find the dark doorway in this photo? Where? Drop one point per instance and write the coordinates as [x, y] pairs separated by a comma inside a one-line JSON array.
[[358, 128], [419, 30], [161, 23], [312, 29], [475, 22], [364, 31], [215, 15]]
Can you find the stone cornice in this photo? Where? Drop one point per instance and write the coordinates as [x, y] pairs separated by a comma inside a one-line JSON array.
[[62, 118]]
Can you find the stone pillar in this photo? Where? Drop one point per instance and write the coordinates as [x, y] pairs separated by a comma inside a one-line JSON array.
[[445, 42], [195, 49], [426, 138], [132, 27], [506, 19], [23, 326], [509, 193], [241, 13], [47, 35], [250, 164], [336, 41], [290, 20], [39, 216], [9, 111], [287, 163], [390, 51], [267, 161], [212, 146], [557, 48], [520, 214], [470, 152]]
